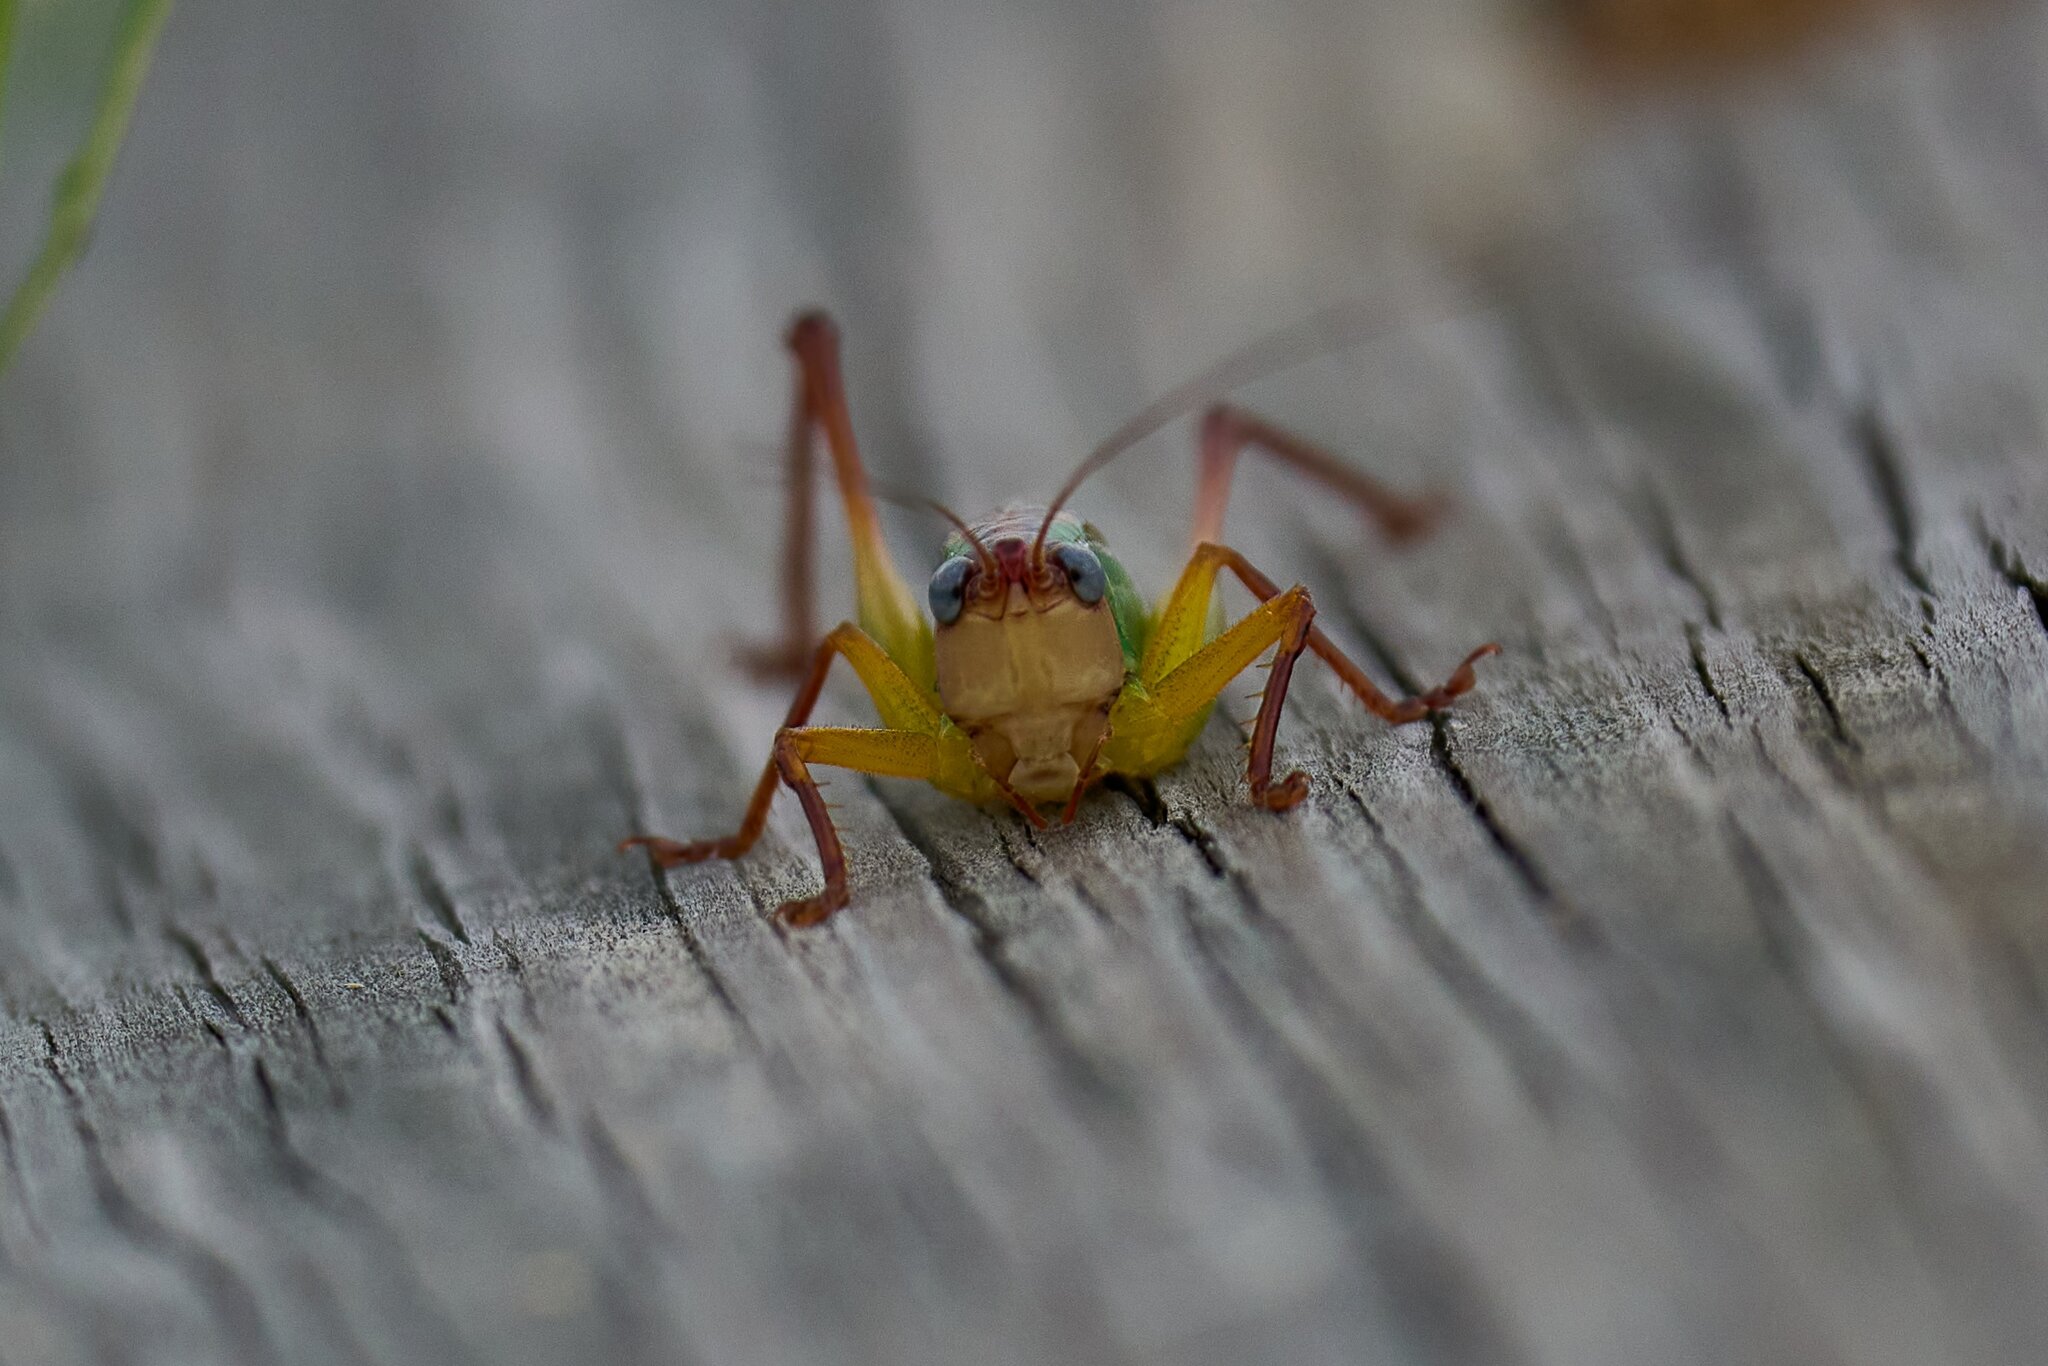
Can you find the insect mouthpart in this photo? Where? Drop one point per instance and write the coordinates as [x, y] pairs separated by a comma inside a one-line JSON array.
[[1013, 560]]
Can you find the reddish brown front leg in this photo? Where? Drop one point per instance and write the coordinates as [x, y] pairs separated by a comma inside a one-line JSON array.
[[887, 753], [1394, 712], [812, 910], [913, 752], [1288, 792], [668, 853], [1227, 431]]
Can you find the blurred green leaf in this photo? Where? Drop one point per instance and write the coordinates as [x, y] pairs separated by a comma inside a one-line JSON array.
[[7, 8], [84, 178]]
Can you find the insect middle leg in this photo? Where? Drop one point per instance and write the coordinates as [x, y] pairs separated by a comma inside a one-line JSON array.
[[1227, 431], [1184, 618], [911, 747], [1182, 674], [887, 610]]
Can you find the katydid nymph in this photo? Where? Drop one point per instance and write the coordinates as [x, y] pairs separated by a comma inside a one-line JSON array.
[[1039, 671]]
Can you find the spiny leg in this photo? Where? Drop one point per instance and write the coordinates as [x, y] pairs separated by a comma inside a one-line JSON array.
[[1177, 637], [668, 853], [901, 703], [1227, 431], [885, 753], [1283, 620], [1398, 713], [886, 608]]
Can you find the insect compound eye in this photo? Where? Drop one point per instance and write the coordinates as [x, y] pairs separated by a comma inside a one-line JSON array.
[[1084, 571], [948, 590]]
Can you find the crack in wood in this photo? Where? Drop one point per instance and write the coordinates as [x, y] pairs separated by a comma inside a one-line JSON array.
[[1874, 440], [454, 980], [1739, 233], [266, 1090], [448, 817], [1539, 1067], [426, 880], [2014, 571], [614, 737], [526, 1078], [1694, 751], [1663, 536], [1093, 904], [1696, 648], [1777, 918], [514, 964], [216, 1282], [1428, 1285], [1204, 843], [1071, 1060], [1143, 793], [121, 835], [1351, 615], [124, 847], [205, 1022], [1554, 534], [304, 1015], [352, 1212], [1821, 689], [10, 1157], [202, 963], [698, 953], [1944, 690], [606, 727], [1519, 859], [1556, 388], [620, 1179]]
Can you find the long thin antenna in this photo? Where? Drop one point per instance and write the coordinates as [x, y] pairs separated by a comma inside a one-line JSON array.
[[1338, 328], [982, 554]]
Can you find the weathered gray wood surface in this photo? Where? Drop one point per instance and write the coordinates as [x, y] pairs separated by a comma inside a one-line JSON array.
[[379, 503]]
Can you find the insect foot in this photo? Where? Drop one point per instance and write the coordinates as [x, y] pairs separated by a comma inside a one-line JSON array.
[[1461, 681], [1413, 519], [808, 912], [1284, 795]]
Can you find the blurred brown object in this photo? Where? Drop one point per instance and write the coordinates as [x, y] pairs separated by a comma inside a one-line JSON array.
[[1637, 40]]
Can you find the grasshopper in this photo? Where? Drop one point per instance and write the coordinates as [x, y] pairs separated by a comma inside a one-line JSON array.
[[1040, 671]]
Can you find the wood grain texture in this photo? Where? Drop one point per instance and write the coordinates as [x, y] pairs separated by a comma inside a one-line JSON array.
[[378, 508]]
